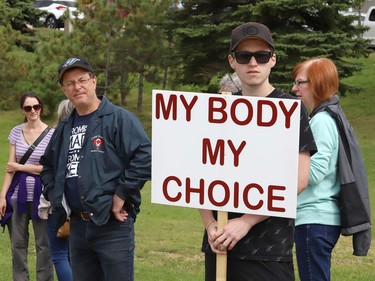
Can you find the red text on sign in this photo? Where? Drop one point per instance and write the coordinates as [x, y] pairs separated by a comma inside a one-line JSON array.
[[218, 151], [175, 190], [219, 113], [171, 107]]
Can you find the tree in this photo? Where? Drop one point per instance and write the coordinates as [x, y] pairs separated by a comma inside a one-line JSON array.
[[144, 49], [128, 38], [315, 29], [17, 40], [132, 41], [122, 40], [301, 29], [200, 32]]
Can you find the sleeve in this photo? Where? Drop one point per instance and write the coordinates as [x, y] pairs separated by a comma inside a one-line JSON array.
[[14, 134], [138, 152], [306, 138], [326, 137], [47, 175]]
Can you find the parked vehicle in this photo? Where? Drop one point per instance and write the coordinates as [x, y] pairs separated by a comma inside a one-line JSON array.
[[55, 11], [370, 22]]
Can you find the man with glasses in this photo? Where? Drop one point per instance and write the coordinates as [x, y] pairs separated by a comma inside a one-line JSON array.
[[94, 168], [259, 248]]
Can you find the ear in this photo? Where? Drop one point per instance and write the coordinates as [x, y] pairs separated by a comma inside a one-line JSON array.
[[273, 60], [232, 61], [94, 80]]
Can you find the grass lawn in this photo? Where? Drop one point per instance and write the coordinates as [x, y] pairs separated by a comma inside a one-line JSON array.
[[168, 238]]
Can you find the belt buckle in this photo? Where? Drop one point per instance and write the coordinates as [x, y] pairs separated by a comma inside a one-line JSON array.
[[85, 216]]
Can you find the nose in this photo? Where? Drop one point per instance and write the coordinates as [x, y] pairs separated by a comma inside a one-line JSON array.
[[77, 84], [253, 61]]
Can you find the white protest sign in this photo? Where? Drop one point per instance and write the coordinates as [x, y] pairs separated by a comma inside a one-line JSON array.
[[224, 152]]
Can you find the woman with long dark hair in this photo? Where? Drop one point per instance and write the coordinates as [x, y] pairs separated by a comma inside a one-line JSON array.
[[22, 187]]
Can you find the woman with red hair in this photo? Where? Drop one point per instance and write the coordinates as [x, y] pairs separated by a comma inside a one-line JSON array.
[[316, 83]]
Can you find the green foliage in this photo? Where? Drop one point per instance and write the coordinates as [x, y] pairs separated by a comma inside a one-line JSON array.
[[130, 43], [312, 29], [15, 45], [301, 29], [201, 33], [22, 15]]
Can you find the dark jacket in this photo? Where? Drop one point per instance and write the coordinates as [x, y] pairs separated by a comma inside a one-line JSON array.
[[354, 196], [115, 158]]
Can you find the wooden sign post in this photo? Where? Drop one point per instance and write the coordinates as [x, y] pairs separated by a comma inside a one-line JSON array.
[[221, 259], [222, 220]]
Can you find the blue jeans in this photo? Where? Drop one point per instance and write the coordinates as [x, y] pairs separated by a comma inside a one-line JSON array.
[[102, 253], [59, 248], [314, 245]]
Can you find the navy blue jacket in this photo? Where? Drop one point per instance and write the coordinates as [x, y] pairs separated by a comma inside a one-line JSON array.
[[115, 158]]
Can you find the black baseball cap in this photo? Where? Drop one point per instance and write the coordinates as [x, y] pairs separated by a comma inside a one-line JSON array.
[[251, 30], [73, 62]]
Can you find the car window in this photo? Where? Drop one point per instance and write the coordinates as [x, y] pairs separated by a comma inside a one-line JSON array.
[[44, 3], [372, 16]]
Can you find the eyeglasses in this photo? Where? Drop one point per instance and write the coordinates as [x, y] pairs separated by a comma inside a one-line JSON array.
[[28, 108], [299, 83], [243, 57], [72, 84]]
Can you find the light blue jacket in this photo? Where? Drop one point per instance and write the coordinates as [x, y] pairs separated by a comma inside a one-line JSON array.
[[318, 203]]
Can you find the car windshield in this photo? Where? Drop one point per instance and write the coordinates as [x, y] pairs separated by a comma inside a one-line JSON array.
[[43, 3]]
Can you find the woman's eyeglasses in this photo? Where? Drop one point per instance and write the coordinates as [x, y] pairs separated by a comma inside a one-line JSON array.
[[243, 57], [28, 108], [300, 82]]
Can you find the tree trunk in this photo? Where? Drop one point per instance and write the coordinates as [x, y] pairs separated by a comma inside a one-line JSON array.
[[140, 91], [124, 90]]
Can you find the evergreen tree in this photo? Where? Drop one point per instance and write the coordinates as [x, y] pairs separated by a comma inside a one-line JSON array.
[[200, 34], [122, 40], [129, 41], [143, 46], [301, 29], [125, 40], [17, 39]]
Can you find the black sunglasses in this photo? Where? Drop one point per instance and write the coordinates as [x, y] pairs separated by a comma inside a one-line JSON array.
[[28, 108], [243, 57]]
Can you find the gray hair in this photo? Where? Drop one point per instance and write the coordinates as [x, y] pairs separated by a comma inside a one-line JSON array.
[[230, 83], [64, 108]]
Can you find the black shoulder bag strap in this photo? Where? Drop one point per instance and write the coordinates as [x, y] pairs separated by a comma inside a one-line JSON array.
[[33, 146]]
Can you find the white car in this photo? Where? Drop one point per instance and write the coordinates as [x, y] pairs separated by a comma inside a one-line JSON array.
[[370, 22], [55, 11]]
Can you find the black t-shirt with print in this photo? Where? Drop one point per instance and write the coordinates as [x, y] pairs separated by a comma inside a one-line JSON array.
[[272, 239], [76, 141]]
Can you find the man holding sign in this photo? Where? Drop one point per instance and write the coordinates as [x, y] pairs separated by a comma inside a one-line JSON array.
[[258, 247]]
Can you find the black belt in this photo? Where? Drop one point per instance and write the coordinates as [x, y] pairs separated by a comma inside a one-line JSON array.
[[84, 216], [87, 217]]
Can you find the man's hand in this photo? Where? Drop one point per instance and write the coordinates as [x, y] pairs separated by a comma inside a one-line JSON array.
[[230, 234], [118, 208]]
